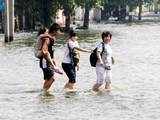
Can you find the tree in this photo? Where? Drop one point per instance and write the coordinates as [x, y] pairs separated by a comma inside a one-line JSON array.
[[140, 2], [68, 6], [28, 12], [87, 5], [86, 14], [45, 12]]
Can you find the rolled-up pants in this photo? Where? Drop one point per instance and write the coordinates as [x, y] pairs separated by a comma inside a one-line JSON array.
[[103, 74]]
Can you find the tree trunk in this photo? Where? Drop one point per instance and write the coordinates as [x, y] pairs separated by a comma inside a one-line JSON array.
[[20, 22], [16, 26], [23, 21], [130, 14], [86, 15], [2, 22], [68, 22], [33, 22], [122, 13], [155, 2], [140, 2], [106, 12], [68, 17], [45, 12]]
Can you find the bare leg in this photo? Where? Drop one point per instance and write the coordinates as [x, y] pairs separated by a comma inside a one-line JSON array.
[[49, 59], [69, 85], [96, 87], [47, 84], [108, 85]]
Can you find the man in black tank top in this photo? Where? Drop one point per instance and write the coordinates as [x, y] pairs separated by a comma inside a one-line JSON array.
[[47, 62]]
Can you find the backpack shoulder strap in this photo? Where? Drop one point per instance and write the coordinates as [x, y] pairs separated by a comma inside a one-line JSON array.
[[70, 53], [69, 47], [70, 50], [103, 47]]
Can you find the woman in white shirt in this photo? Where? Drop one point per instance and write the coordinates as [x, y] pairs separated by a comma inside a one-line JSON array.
[[67, 64]]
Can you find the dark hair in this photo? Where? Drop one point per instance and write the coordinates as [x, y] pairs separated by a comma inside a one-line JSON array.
[[106, 34], [54, 28], [42, 30], [72, 33]]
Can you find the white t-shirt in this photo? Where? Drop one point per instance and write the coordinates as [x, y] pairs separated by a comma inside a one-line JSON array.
[[72, 44], [107, 54]]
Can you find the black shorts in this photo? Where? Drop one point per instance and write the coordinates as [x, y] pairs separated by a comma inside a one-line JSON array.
[[70, 71], [48, 73]]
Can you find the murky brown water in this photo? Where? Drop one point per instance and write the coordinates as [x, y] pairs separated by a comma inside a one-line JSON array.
[[135, 94]]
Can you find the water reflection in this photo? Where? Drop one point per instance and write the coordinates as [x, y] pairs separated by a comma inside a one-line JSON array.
[[46, 97], [70, 94]]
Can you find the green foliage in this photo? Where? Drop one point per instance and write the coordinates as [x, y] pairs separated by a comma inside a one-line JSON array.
[[35, 10], [80, 3]]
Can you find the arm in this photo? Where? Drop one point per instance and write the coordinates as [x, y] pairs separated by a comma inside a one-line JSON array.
[[113, 61], [82, 50], [54, 62], [45, 46], [46, 54], [99, 57]]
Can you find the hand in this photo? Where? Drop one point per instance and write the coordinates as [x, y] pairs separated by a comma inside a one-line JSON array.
[[54, 62], [100, 62], [107, 67], [113, 61], [90, 51], [77, 67], [57, 70]]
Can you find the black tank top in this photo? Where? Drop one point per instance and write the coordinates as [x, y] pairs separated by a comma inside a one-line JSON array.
[[51, 52]]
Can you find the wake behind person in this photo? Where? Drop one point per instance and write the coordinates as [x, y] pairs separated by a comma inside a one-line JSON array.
[[45, 53]]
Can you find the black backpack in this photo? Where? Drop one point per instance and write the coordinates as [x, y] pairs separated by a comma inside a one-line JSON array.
[[93, 56]]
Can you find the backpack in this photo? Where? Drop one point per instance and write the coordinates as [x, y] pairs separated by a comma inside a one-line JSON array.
[[37, 47], [93, 56], [74, 55], [37, 52]]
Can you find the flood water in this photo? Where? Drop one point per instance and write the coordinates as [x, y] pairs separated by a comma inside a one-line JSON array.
[[135, 91]]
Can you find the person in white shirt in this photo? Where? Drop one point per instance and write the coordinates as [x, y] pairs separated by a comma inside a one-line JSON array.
[[104, 62], [67, 64]]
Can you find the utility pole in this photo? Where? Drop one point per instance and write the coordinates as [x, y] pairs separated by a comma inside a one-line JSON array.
[[9, 20]]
